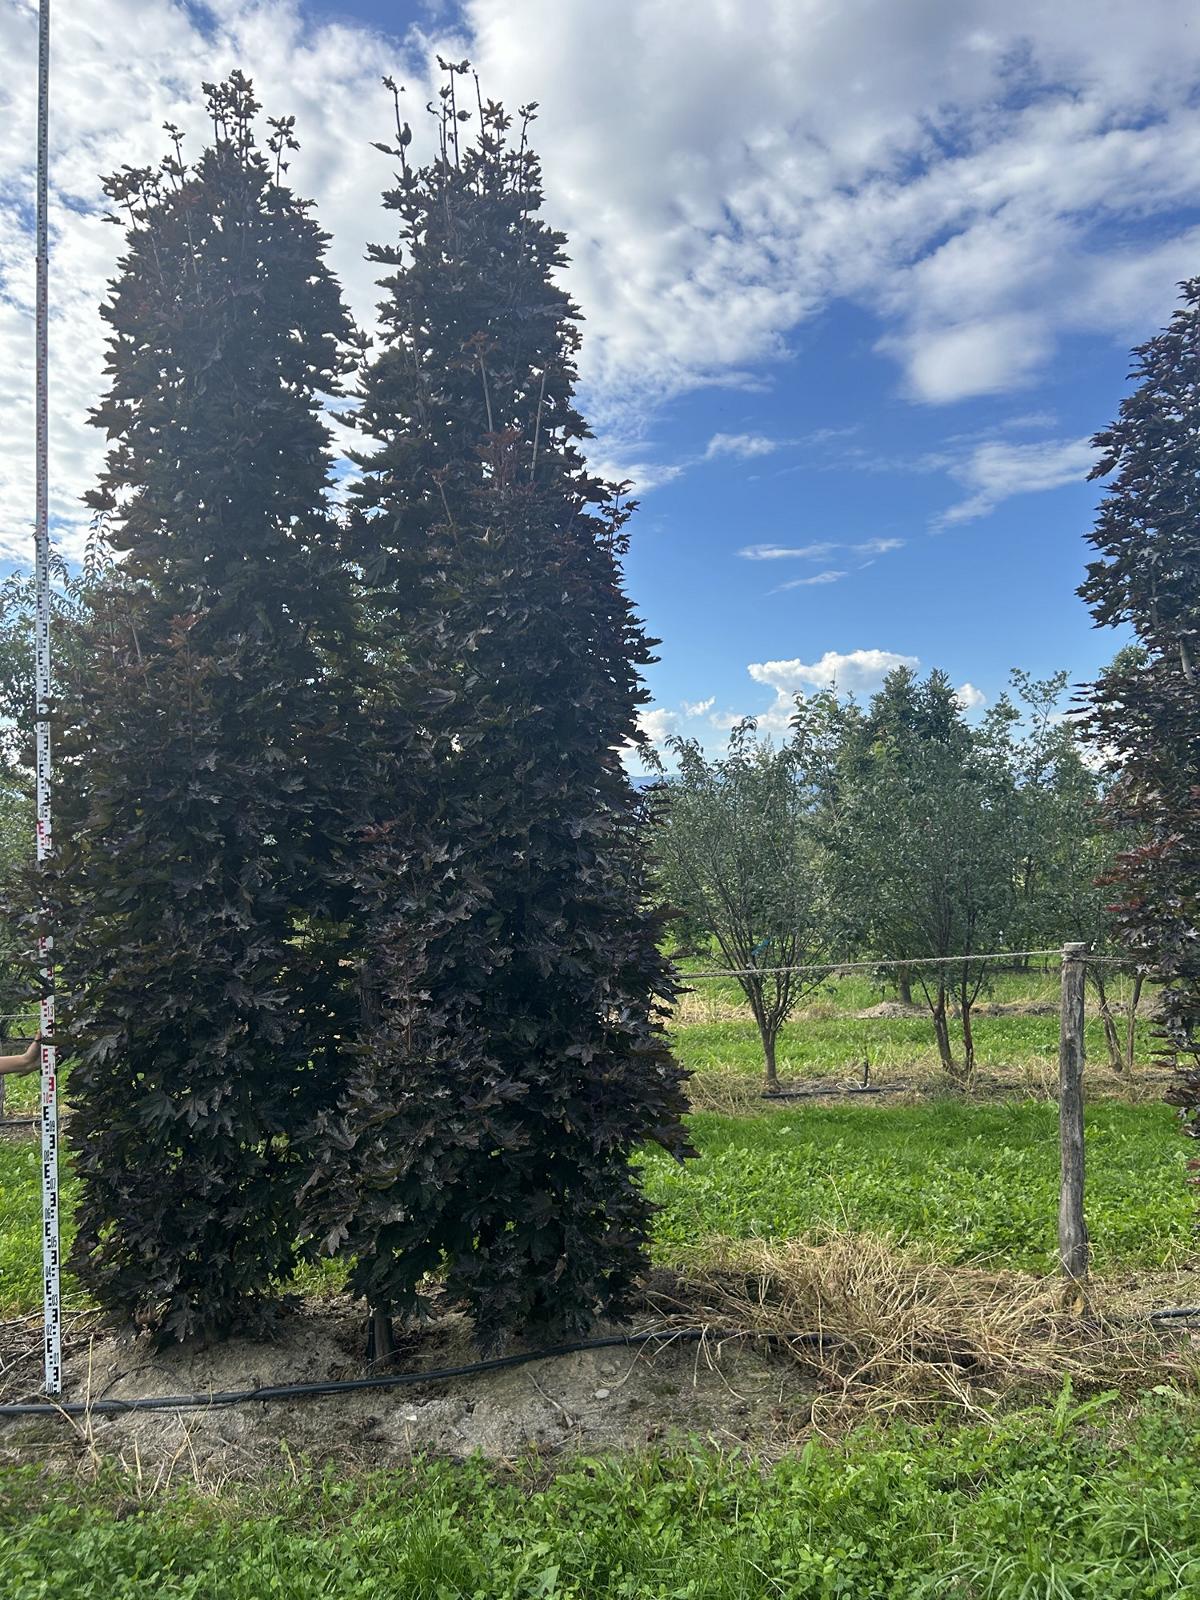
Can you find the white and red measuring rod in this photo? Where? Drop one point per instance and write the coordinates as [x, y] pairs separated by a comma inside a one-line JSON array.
[[51, 1267]]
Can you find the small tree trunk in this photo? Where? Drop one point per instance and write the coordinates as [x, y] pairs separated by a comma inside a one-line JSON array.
[[941, 1028], [904, 985], [1131, 1023], [968, 1035], [768, 1044], [1112, 1039], [1072, 1229], [381, 1336]]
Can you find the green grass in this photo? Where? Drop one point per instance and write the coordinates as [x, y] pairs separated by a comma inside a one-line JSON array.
[[971, 1180], [1063, 1503], [815, 1047]]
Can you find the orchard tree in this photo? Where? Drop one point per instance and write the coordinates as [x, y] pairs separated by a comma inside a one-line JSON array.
[[1145, 711], [738, 857], [519, 1057], [920, 823], [202, 758]]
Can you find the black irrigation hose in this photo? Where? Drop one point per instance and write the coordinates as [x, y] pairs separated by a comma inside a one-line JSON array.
[[393, 1380]]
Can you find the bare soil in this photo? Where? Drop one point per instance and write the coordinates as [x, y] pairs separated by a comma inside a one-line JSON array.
[[728, 1394]]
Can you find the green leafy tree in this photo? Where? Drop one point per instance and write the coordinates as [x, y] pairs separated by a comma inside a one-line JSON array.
[[519, 1056], [69, 589], [921, 826], [200, 895], [739, 857], [1145, 711]]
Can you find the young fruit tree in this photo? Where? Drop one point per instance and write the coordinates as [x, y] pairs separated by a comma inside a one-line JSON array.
[[519, 1056], [919, 818], [738, 857], [1144, 715], [201, 745]]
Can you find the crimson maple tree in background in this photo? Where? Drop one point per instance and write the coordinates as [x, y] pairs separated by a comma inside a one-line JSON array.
[[1145, 711]]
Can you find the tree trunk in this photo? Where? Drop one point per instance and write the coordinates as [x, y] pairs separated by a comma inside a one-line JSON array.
[[768, 1044], [1116, 1056], [1072, 1226], [1131, 1026], [381, 1337], [968, 1036], [941, 1027], [904, 985]]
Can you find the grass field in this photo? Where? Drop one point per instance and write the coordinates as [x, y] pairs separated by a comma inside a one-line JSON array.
[[827, 1037], [1064, 1502], [971, 1180]]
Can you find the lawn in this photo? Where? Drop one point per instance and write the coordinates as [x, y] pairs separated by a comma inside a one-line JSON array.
[[714, 1030], [972, 1180], [1064, 1502]]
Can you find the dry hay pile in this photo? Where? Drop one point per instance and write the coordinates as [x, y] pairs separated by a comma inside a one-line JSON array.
[[888, 1332]]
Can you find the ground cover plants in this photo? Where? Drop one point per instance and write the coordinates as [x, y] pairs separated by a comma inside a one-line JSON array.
[[1070, 1500]]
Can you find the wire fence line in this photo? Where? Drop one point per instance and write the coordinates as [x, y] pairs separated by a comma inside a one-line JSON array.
[[883, 961]]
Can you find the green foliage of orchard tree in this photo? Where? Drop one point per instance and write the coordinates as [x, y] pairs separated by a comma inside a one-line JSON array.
[[69, 589], [738, 857], [1066, 848], [201, 749], [1145, 711], [920, 819], [519, 1056]]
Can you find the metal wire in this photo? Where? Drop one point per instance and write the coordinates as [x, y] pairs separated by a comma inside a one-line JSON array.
[[872, 966]]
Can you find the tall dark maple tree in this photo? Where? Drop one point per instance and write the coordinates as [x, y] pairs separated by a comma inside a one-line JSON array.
[[1145, 711], [519, 1057], [206, 779]]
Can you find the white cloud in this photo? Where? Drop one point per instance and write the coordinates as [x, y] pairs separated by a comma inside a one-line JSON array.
[[996, 470], [697, 708], [852, 672], [742, 445], [782, 552], [878, 547], [830, 576], [657, 723], [109, 102], [975, 174], [970, 172], [817, 552], [969, 697]]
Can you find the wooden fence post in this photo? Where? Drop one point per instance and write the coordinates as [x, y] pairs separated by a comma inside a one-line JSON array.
[[1072, 1229]]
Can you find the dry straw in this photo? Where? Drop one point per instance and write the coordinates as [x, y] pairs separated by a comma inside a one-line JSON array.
[[905, 1335]]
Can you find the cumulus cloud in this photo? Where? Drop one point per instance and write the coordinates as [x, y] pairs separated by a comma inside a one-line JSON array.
[[852, 672], [969, 697], [996, 470], [849, 672], [657, 723], [697, 708], [966, 171], [971, 173]]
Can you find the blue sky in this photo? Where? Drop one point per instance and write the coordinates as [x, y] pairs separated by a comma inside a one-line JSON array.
[[860, 283]]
